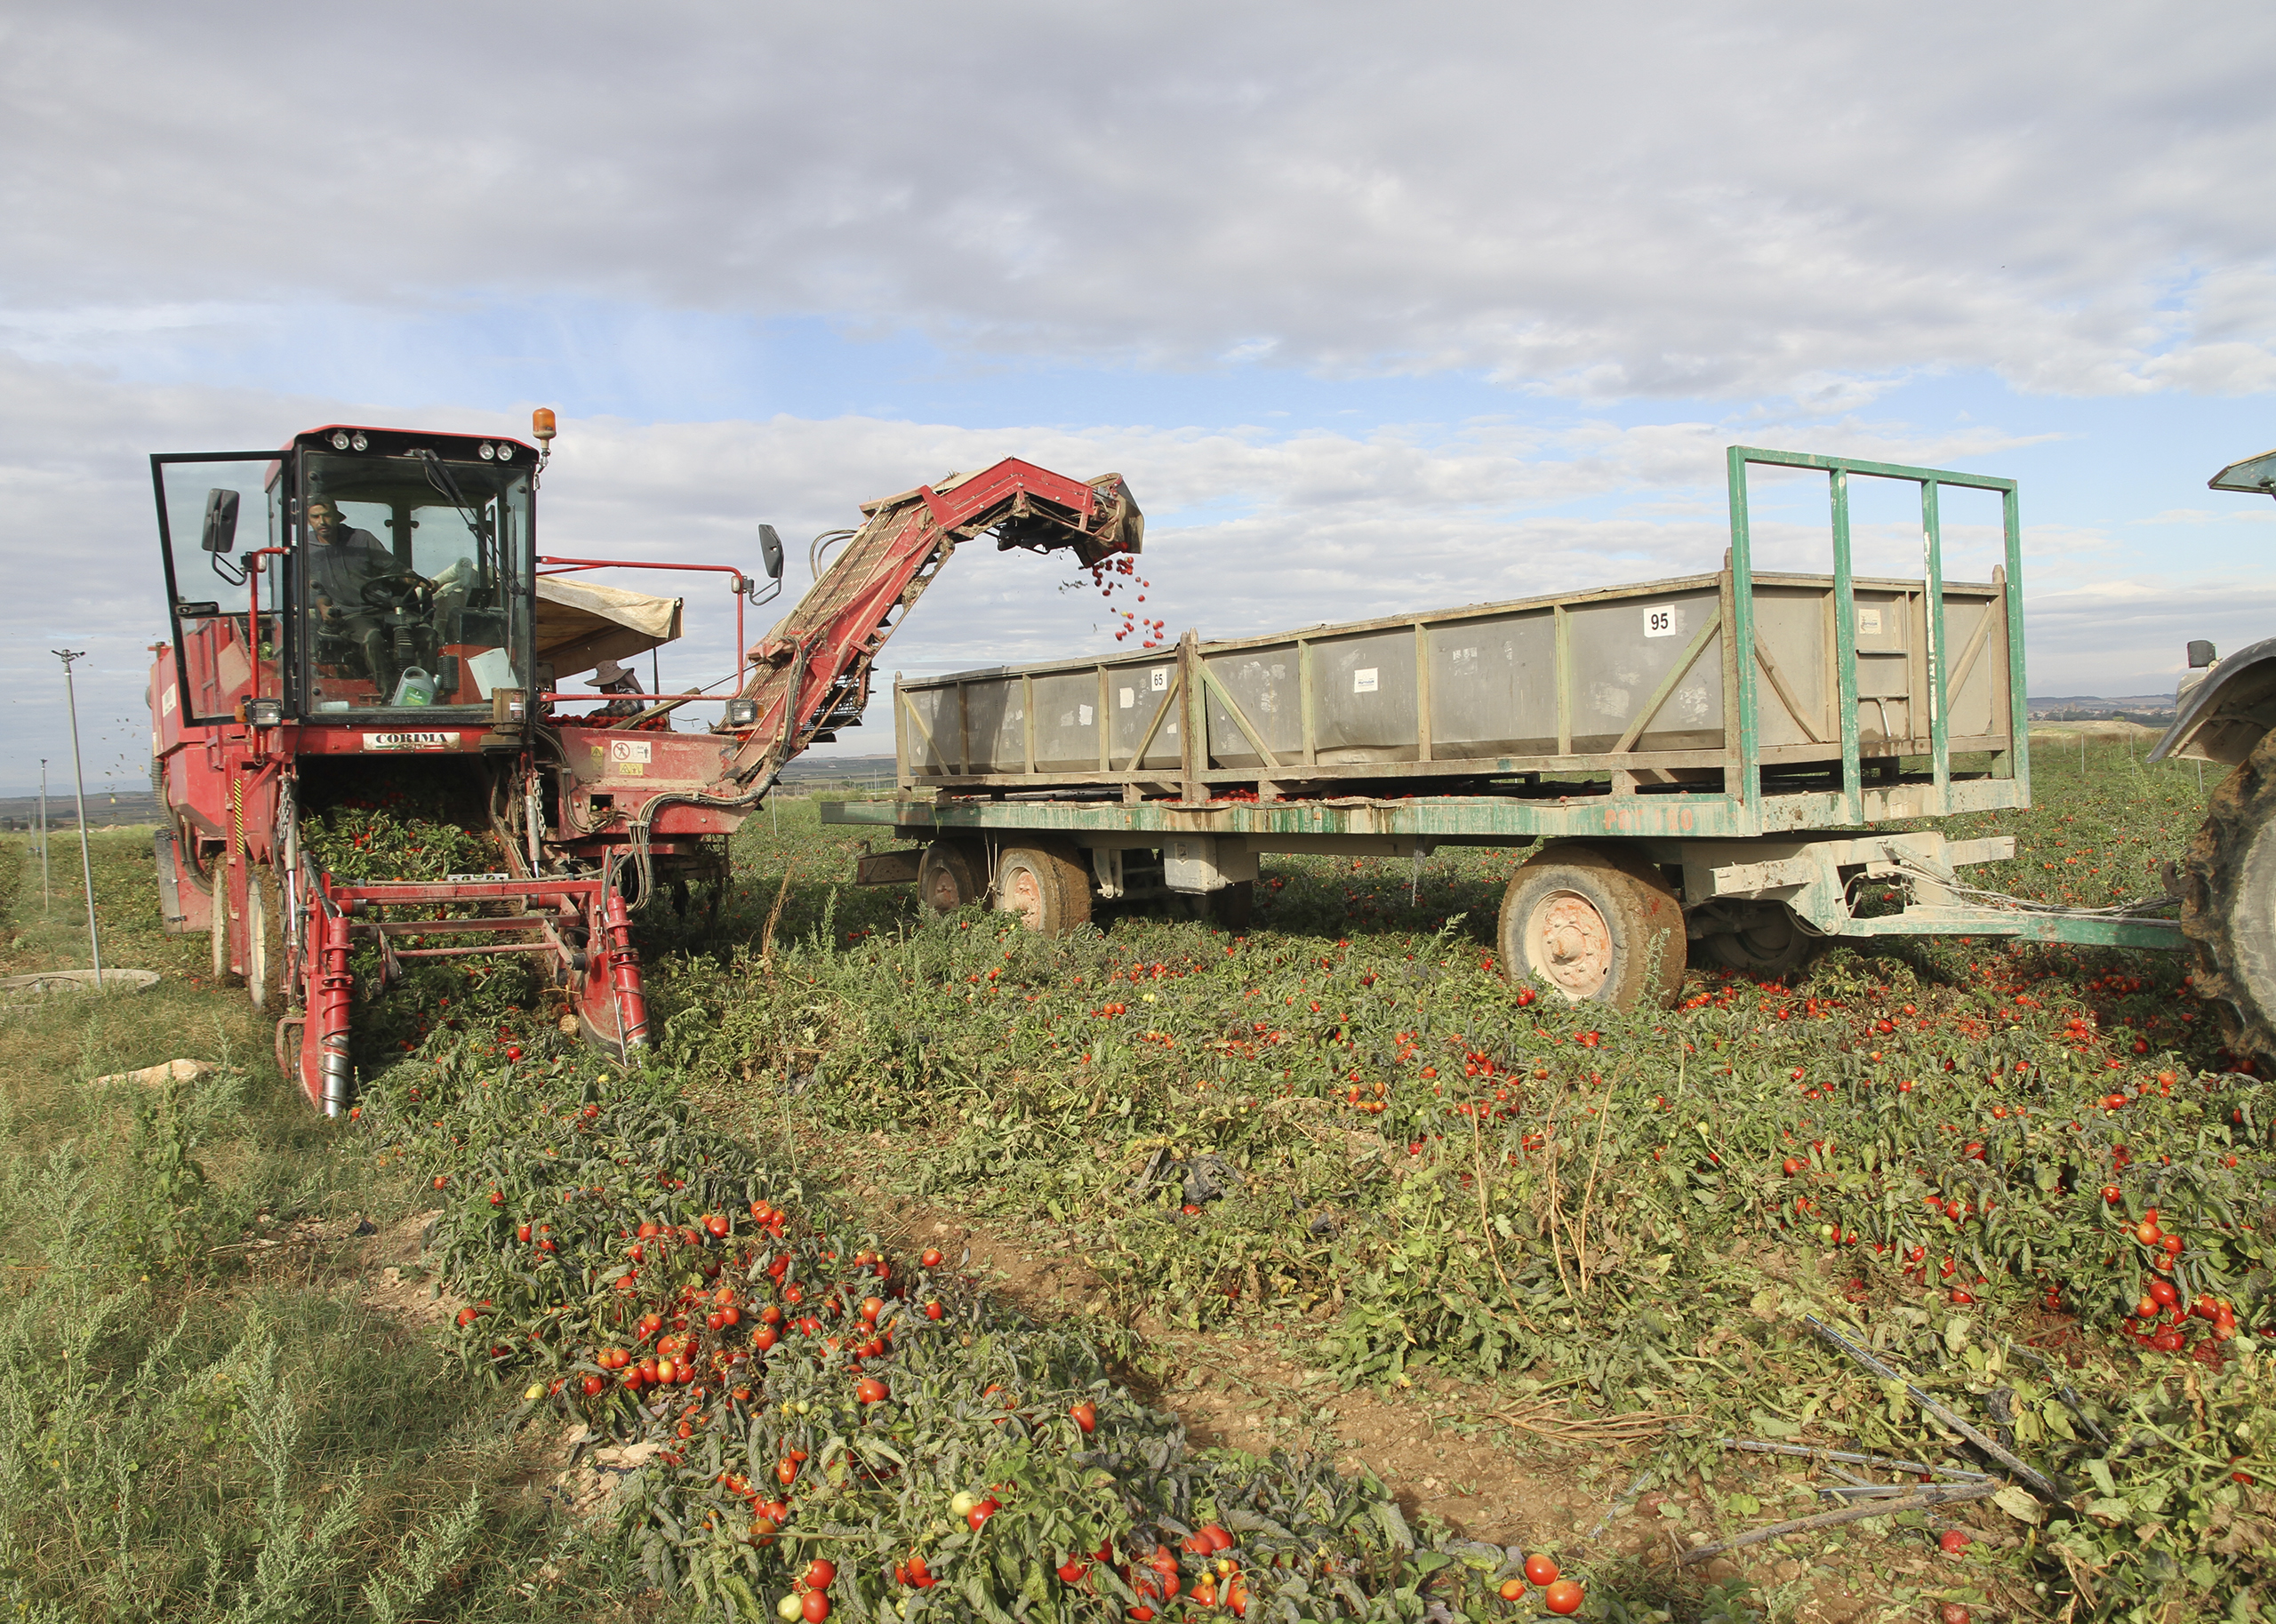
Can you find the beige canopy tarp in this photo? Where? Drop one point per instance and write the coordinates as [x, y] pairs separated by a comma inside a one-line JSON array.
[[581, 623]]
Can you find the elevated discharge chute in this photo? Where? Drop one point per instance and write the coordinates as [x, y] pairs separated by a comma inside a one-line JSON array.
[[811, 674]]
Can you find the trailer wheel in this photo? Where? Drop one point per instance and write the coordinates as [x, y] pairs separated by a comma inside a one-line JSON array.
[[947, 878], [1595, 928], [1231, 907], [2228, 903], [1765, 940], [1048, 887]]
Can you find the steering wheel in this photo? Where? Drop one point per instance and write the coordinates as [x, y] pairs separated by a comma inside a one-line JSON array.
[[394, 591]]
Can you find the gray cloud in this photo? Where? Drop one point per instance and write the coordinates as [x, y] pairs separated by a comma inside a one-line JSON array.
[[1607, 201]]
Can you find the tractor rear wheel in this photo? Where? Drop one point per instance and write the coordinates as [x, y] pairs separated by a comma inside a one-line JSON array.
[[1594, 928], [2228, 902], [1048, 887]]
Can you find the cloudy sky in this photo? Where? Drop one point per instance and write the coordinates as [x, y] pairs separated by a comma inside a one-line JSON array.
[[1377, 308]]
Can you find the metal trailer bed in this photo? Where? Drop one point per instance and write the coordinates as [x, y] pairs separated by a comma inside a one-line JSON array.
[[1733, 795]]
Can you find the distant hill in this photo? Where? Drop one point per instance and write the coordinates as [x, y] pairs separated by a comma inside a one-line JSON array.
[[2144, 707], [106, 810]]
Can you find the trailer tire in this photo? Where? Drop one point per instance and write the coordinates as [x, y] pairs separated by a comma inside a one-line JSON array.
[[1594, 927], [2228, 902], [947, 877], [1766, 940], [1048, 887], [1231, 907]]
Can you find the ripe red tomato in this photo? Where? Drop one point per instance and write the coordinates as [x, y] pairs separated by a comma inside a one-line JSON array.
[[786, 1471], [1087, 1416], [467, 1316], [930, 1259], [934, 1311], [718, 1225], [1953, 1613], [819, 1572], [1219, 1540], [594, 1387], [977, 1517], [1541, 1568], [1513, 1589], [1952, 1541], [1071, 1571], [1564, 1596], [871, 1306], [814, 1608], [870, 1390], [1792, 1165]]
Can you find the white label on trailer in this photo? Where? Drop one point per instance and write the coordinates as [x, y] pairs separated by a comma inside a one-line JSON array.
[[411, 742], [167, 705], [1869, 621], [1662, 621], [623, 750], [1129, 699], [1159, 676], [1082, 715], [1171, 731], [1363, 680]]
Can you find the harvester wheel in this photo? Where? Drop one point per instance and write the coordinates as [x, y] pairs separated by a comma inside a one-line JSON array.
[[1594, 928], [291, 1032], [2228, 902], [947, 877], [1048, 887], [260, 933]]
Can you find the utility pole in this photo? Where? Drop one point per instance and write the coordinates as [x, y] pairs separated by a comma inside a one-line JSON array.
[[79, 784], [42, 834]]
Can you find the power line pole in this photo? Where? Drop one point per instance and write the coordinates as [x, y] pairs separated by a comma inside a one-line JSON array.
[[42, 834], [79, 784]]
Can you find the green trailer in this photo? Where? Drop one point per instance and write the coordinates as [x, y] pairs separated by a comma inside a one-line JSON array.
[[1707, 764]]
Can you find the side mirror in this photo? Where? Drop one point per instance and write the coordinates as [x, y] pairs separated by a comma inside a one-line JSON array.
[[2200, 654], [221, 533], [770, 549]]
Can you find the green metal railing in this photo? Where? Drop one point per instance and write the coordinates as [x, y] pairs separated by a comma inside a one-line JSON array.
[[1838, 471]]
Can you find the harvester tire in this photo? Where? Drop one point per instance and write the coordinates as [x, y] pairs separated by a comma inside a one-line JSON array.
[[1593, 928], [1048, 887], [263, 946], [2228, 903], [947, 878]]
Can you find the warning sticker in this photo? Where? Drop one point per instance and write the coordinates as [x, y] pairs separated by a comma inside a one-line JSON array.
[[623, 750], [1869, 621], [167, 705], [1363, 680], [411, 742]]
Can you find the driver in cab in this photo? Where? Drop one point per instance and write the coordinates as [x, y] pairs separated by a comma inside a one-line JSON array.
[[343, 565]]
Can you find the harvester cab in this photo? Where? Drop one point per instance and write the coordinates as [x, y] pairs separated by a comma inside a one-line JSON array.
[[385, 631]]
